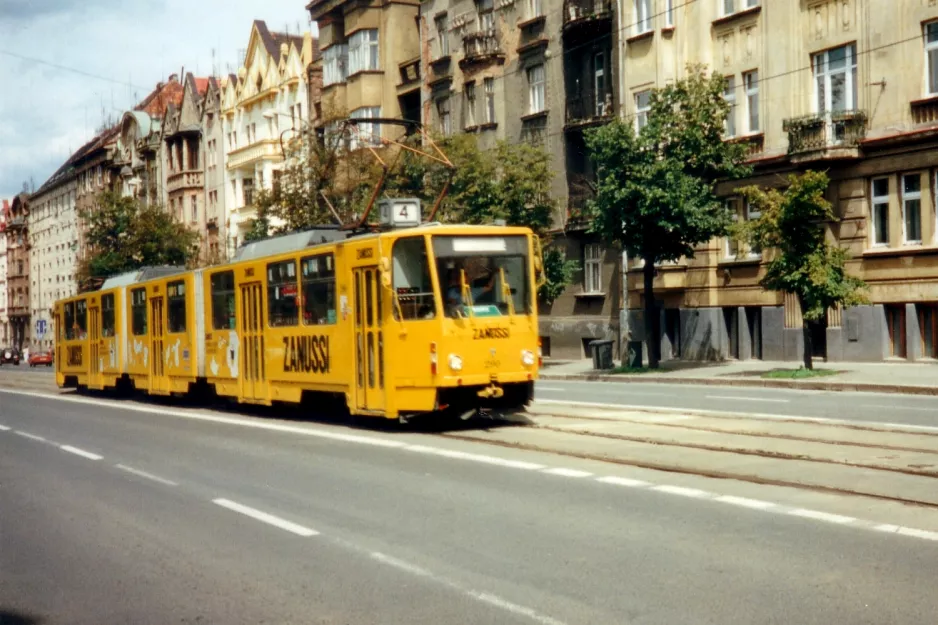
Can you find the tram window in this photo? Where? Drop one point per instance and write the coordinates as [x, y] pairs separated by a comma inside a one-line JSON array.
[[318, 289], [223, 301], [70, 321], [107, 315], [176, 306], [282, 309], [138, 312], [81, 318], [411, 279]]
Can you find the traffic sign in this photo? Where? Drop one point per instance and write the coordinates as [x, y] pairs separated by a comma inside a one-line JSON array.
[[41, 327]]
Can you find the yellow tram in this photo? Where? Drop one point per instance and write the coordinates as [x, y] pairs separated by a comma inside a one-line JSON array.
[[396, 323]]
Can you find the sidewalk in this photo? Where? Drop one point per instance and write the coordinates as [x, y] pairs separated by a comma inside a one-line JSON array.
[[880, 377]]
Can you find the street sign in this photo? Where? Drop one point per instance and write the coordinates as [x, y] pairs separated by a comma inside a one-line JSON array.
[[41, 328]]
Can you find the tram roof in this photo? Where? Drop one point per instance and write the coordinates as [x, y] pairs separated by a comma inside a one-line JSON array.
[[140, 275]]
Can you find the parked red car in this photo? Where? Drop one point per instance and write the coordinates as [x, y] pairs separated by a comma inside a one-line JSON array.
[[40, 358]]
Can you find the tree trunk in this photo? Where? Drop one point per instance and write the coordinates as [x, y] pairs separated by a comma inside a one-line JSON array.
[[806, 335], [652, 320]]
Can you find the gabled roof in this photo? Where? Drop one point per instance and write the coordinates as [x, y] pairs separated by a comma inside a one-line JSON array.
[[272, 40], [159, 99]]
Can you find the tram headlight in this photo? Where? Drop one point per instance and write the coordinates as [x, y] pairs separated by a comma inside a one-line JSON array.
[[527, 358], [455, 362]]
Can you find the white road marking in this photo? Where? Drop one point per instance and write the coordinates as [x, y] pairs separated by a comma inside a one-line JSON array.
[[148, 476], [907, 531], [623, 481], [264, 517], [737, 398], [463, 455], [514, 608], [821, 516], [34, 437], [552, 389], [80, 452], [682, 491], [4, 428], [567, 472], [407, 567], [902, 408], [745, 502]]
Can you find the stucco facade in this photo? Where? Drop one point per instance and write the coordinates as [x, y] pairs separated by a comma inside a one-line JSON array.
[[265, 102], [17, 236], [4, 312], [844, 86]]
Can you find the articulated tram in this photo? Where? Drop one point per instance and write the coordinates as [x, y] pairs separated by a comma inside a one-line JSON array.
[[427, 319]]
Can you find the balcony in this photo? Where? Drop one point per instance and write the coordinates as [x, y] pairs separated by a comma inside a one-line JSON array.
[[828, 136], [578, 13], [590, 107], [265, 148], [481, 47], [17, 223], [184, 180]]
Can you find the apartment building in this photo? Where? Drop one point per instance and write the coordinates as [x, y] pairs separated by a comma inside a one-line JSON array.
[[17, 236], [4, 312], [845, 86], [266, 102]]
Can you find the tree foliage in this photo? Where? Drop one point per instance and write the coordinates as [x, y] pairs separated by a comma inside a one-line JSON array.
[[655, 190], [793, 222], [122, 236]]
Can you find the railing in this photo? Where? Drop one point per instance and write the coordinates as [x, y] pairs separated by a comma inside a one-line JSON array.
[[480, 45], [183, 180], [578, 10], [839, 129], [588, 107], [249, 153]]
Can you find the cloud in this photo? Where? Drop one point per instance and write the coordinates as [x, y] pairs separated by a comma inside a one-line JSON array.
[[92, 59]]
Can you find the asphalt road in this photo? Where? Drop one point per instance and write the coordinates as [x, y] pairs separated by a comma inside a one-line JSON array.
[[868, 407], [139, 515]]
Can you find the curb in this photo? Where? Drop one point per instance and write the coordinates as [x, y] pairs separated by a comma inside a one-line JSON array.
[[856, 387]]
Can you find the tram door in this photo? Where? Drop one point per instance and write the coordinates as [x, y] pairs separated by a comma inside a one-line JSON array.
[[159, 383], [251, 325], [369, 341], [94, 341]]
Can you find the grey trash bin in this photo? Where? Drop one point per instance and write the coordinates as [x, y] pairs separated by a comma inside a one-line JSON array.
[[633, 355], [601, 351]]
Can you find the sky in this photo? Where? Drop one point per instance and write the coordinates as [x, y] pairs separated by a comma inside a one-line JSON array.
[[68, 65]]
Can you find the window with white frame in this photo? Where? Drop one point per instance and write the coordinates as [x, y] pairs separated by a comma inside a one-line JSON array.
[[470, 91], [599, 83], [642, 16], [536, 89], [879, 193], [535, 8], [335, 64], [751, 83], [445, 116], [732, 6], [488, 86], [363, 51], [642, 108], [366, 134], [752, 214], [729, 94], [731, 248], [931, 56], [593, 268], [668, 13], [442, 35], [486, 11], [835, 75], [912, 208], [195, 209]]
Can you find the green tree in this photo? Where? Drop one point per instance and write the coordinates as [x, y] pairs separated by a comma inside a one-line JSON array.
[[655, 189], [793, 222], [123, 236]]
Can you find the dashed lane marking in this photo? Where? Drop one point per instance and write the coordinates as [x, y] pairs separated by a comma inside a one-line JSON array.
[[738, 398], [146, 475], [80, 452], [264, 517], [4, 428], [34, 437], [567, 472]]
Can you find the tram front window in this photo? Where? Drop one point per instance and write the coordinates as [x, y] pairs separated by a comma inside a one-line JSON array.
[[483, 276]]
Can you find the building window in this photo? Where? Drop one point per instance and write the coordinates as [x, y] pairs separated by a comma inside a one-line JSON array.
[[368, 134], [732, 6], [753, 215], [928, 327], [592, 268], [751, 81], [642, 108], [489, 85], [443, 113], [442, 35], [931, 56], [880, 212], [912, 208], [642, 16], [363, 51], [536, 89], [669, 13], [247, 189], [195, 209], [282, 306], [486, 12], [535, 8], [835, 73], [470, 90], [729, 94], [731, 249], [599, 83], [334, 64]]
